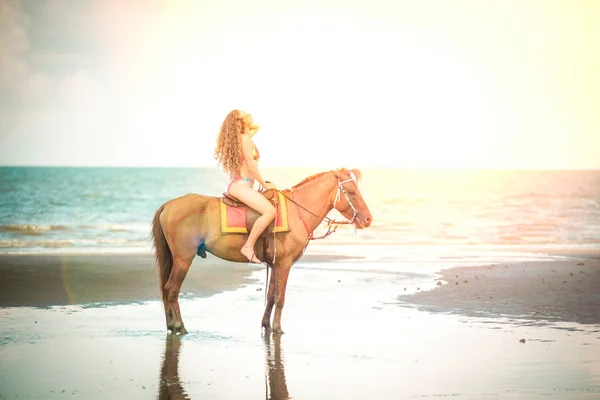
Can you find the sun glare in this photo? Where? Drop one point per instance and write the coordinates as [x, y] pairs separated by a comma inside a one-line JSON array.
[[463, 84], [343, 90]]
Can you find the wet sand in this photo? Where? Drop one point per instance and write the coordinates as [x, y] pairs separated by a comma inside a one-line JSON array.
[[567, 291], [349, 333], [60, 279], [54, 279]]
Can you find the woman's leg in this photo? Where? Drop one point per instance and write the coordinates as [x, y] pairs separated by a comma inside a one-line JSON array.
[[244, 192]]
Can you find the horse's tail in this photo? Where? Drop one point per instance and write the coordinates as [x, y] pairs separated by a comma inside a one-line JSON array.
[[164, 258]]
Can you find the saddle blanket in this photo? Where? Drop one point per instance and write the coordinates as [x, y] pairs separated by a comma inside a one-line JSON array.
[[238, 219]]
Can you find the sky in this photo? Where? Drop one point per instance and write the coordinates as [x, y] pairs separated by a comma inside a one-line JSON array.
[[365, 83]]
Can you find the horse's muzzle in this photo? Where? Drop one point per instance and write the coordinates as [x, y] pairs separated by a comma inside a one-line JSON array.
[[362, 222]]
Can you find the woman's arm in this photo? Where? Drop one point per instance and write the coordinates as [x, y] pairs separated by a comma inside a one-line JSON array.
[[252, 165], [252, 129]]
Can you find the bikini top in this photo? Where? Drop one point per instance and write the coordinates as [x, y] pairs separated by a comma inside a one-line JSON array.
[[255, 154]]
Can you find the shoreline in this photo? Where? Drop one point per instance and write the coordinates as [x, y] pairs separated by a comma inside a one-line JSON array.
[[564, 289], [43, 280]]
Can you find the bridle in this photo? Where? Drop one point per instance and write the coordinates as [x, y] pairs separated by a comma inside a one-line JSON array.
[[330, 222], [350, 205]]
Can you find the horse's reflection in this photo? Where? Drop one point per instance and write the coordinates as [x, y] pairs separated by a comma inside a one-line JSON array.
[[170, 385], [275, 385]]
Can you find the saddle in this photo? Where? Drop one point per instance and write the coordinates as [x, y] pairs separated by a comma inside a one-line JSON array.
[[237, 217]]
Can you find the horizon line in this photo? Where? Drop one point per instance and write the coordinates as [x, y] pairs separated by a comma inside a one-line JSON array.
[[422, 168]]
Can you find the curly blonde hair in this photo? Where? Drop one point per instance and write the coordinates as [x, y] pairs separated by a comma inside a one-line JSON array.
[[229, 143]]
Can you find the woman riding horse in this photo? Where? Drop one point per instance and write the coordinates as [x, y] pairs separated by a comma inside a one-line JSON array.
[[182, 225], [238, 156], [191, 224]]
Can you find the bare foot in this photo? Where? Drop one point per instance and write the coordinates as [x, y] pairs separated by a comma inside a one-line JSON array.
[[248, 252]]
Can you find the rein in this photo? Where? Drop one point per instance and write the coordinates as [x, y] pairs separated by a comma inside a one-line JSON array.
[[330, 222]]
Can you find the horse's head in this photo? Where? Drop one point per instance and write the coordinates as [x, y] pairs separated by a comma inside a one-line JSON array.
[[348, 200]]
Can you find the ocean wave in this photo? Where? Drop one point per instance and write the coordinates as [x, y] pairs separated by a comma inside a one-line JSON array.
[[33, 229], [21, 244], [68, 243], [133, 227], [591, 240]]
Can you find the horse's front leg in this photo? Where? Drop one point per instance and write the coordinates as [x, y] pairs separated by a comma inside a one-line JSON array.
[[281, 283], [266, 319]]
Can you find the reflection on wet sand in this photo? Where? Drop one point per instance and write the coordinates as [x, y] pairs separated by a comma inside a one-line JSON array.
[[170, 386], [275, 385]]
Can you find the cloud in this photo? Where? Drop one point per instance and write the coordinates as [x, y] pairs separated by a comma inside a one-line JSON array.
[[48, 63], [14, 47]]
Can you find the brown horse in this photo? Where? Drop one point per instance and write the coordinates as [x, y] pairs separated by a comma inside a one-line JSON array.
[[191, 224]]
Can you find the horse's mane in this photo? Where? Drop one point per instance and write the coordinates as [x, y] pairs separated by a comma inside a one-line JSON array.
[[357, 173], [310, 179], [313, 177]]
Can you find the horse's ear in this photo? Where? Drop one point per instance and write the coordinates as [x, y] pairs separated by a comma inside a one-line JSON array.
[[356, 175]]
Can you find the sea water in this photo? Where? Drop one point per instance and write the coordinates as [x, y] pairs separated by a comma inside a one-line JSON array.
[[44, 209]]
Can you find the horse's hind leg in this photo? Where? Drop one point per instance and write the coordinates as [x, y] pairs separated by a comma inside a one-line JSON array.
[[266, 319], [171, 296], [281, 284]]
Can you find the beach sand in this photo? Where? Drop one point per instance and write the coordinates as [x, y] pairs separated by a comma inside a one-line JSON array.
[[92, 327], [54, 279], [567, 291], [60, 279]]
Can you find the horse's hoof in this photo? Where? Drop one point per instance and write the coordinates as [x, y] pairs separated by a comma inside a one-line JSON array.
[[278, 331], [177, 328], [177, 325]]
